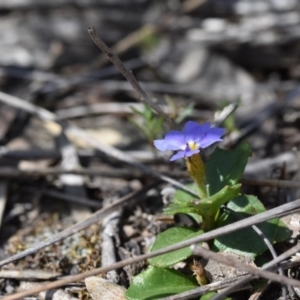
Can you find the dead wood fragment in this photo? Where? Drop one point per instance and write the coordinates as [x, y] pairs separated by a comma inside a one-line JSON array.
[[28, 274], [110, 237], [73, 184]]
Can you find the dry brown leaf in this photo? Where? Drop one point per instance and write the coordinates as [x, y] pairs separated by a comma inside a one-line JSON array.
[[101, 289]]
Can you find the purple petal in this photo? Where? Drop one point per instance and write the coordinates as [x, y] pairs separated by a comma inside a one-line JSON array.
[[201, 135], [161, 145], [190, 153], [174, 140], [178, 155], [189, 127], [194, 132], [175, 135], [212, 136]]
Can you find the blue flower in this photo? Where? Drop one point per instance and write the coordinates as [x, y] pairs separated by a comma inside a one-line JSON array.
[[190, 140]]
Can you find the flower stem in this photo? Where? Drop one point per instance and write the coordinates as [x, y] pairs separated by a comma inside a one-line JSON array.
[[196, 169]]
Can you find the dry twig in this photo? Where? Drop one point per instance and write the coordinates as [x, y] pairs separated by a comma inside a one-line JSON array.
[[129, 76], [280, 211]]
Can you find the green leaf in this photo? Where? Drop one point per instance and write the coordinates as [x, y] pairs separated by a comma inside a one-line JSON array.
[[181, 197], [186, 112], [226, 167], [209, 295], [175, 208], [282, 233], [214, 202], [182, 201], [148, 38], [138, 126], [136, 111], [246, 241], [207, 208], [148, 112], [156, 283], [155, 126], [170, 237]]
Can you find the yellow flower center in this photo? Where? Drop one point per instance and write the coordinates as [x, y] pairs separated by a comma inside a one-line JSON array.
[[192, 145]]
